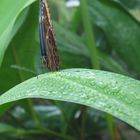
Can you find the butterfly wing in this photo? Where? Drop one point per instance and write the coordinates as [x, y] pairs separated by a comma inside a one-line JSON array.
[[48, 43]]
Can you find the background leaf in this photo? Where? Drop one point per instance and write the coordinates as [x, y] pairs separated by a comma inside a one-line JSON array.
[[123, 36], [8, 20]]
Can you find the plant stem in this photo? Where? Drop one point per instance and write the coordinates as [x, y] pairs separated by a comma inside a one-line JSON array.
[[76, 20], [112, 127], [89, 35], [44, 132], [110, 122], [33, 114], [84, 117], [53, 133]]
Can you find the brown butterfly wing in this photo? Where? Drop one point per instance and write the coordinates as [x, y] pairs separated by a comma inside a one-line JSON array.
[[52, 60]]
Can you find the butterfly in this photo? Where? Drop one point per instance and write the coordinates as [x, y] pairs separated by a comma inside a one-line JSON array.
[[50, 58]]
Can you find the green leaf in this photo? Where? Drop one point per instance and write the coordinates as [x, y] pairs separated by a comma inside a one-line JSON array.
[[130, 3], [121, 30], [72, 48], [19, 48], [9, 11], [112, 93]]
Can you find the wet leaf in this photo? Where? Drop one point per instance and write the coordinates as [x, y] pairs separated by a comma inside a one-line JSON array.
[[108, 92]]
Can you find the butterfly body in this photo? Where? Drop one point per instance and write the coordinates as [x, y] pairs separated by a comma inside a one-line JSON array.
[[47, 38]]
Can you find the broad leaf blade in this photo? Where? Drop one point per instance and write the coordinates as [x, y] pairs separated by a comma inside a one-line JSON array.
[[8, 18], [108, 92], [19, 48]]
